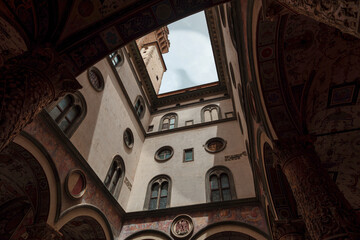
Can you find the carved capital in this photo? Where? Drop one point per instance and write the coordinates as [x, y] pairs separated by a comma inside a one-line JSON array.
[[28, 83], [289, 230], [42, 231], [341, 14], [289, 149]]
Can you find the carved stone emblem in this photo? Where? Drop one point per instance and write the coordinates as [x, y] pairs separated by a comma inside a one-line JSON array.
[[182, 226]]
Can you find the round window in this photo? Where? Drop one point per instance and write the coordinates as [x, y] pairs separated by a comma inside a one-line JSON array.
[[164, 153], [96, 79], [215, 145], [128, 138]]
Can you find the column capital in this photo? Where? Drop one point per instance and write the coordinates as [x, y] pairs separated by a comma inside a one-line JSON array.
[[42, 231], [28, 83], [287, 149], [288, 230]]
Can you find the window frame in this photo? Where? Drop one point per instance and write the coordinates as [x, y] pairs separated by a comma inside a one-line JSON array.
[[218, 171], [120, 165], [192, 153], [78, 101], [210, 108], [168, 116], [156, 156], [131, 135], [115, 54], [97, 72], [141, 101], [160, 178]]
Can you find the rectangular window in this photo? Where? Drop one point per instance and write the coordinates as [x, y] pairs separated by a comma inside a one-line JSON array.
[[190, 122], [189, 155], [229, 114]]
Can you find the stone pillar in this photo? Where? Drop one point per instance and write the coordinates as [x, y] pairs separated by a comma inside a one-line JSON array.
[[42, 231], [28, 83], [326, 213], [341, 14], [288, 230]]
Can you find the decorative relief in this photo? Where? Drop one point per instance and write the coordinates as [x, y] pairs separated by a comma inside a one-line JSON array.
[[341, 14], [28, 83], [182, 226], [128, 183], [235, 157]]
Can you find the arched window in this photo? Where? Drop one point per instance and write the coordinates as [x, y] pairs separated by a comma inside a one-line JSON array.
[[117, 58], [115, 176], [219, 185], [158, 193], [169, 121], [210, 113], [69, 112], [139, 106]]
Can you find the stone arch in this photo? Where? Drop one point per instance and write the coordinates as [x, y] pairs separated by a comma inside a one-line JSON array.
[[43, 157], [149, 234], [87, 216], [24, 192], [228, 226]]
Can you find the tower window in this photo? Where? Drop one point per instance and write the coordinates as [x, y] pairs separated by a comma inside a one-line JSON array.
[[169, 121], [139, 107], [210, 113], [189, 155], [69, 112], [220, 185], [164, 153], [128, 138], [158, 196], [115, 175]]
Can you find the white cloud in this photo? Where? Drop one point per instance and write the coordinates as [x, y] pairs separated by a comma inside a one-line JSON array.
[[190, 61]]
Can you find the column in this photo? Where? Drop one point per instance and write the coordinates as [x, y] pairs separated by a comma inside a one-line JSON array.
[[326, 213], [42, 231], [28, 83], [288, 230]]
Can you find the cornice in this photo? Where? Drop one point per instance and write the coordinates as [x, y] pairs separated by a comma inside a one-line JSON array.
[[191, 93], [199, 125], [192, 208]]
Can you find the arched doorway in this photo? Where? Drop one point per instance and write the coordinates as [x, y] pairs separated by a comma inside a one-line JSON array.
[[24, 192], [230, 235]]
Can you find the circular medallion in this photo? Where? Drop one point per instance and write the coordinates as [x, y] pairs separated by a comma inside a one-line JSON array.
[[75, 183], [182, 226], [215, 145]]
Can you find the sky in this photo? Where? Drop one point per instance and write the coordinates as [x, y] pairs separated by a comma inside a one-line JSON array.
[[190, 61]]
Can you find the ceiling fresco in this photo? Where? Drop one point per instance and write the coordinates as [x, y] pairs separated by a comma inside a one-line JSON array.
[[91, 29], [313, 89], [82, 228]]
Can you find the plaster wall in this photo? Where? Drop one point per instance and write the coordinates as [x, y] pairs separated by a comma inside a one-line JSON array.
[[188, 178], [191, 113], [129, 78], [100, 136], [232, 57]]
